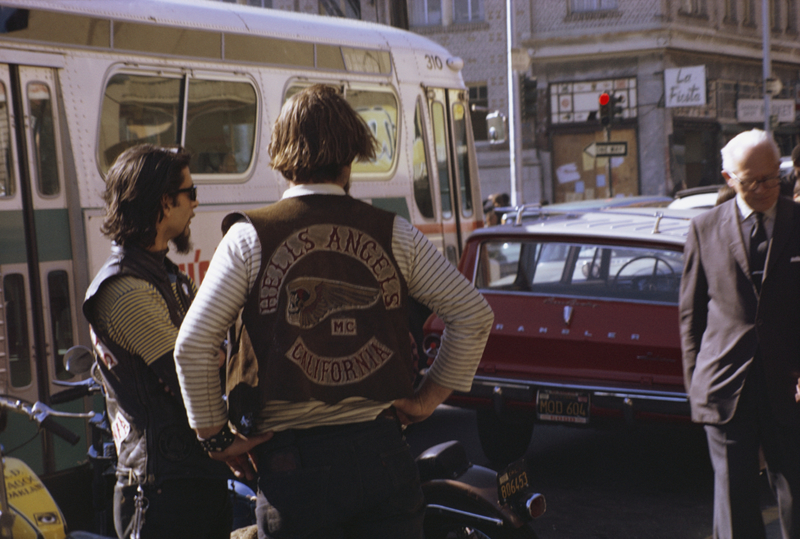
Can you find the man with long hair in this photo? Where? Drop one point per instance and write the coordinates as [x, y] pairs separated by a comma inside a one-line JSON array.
[[166, 484], [324, 357]]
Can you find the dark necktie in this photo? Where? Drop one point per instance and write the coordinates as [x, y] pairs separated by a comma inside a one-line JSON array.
[[758, 250]]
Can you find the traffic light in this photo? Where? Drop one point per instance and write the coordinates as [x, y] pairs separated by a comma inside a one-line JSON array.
[[614, 108], [528, 93], [604, 111]]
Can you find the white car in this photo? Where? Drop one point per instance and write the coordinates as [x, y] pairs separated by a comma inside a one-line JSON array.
[[697, 197]]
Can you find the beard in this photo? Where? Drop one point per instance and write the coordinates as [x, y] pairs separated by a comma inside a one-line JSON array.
[[183, 242]]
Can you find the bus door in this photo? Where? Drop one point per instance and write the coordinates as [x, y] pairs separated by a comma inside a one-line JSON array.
[[456, 168], [37, 325]]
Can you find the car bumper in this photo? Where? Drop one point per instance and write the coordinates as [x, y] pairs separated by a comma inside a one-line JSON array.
[[508, 395]]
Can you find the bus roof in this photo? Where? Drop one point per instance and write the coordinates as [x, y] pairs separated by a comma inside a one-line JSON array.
[[240, 19]]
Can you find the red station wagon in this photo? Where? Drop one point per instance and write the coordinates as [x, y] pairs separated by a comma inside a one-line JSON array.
[[586, 322]]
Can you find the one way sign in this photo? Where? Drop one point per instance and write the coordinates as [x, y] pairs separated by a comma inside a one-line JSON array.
[[607, 149]]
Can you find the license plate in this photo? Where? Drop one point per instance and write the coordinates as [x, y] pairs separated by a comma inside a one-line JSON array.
[[513, 481], [562, 406]]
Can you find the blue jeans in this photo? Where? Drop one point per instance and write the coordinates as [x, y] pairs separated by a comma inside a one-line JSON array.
[[345, 481]]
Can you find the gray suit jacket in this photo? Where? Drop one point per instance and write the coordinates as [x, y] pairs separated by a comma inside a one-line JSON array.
[[723, 322]]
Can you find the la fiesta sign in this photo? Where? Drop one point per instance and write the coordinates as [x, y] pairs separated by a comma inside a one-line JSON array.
[[685, 86]]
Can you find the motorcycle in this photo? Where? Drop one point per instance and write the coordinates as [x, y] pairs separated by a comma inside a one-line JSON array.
[[27, 510], [467, 501], [463, 500]]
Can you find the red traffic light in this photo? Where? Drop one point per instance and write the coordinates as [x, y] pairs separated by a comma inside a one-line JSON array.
[[604, 99]]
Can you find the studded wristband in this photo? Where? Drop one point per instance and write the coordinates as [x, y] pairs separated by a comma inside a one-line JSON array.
[[219, 442]]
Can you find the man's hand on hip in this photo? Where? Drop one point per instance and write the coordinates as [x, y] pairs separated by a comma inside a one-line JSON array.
[[423, 403]]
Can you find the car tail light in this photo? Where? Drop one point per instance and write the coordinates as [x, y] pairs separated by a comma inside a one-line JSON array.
[[536, 505]]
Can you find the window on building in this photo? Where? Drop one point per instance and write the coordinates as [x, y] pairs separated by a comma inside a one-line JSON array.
[[350, 9], [750, 12], [775, 15], [478, 105], [467, 10], [580, 6], [260, 3], [791, 16], [730, 11], [426, 12], [693, 7]]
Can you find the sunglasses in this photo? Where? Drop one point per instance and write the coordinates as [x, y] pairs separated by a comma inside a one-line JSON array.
[[191, 191]]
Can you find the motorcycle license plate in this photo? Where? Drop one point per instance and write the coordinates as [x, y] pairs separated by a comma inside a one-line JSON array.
[[512, 481], [562, 406]]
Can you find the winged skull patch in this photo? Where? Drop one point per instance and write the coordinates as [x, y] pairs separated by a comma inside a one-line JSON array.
[[313, 299]]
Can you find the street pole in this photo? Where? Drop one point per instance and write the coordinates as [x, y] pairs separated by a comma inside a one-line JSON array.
[[767, 68], [609, 179], [514, 115]]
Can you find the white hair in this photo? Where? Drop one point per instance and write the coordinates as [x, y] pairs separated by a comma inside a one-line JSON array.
[[736, 148]]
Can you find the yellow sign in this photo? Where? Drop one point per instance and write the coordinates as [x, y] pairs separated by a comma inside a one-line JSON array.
[[31, 503]]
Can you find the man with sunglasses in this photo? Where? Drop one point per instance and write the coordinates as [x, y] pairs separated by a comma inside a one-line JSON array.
[[739, 321], [167, 486]]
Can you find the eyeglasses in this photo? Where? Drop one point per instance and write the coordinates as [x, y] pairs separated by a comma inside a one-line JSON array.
[[191, 191], [752, 185]]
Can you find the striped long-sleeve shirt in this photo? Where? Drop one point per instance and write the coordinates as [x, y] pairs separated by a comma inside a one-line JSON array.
[[231, 275]]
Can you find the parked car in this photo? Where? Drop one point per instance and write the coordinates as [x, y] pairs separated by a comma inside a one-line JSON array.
[[586, 322], [703, 197]]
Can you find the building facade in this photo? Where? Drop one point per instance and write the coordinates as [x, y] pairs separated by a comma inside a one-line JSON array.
[[687, 74]]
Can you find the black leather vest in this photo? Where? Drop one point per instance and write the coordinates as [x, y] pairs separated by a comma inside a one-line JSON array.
[[152, 433], [327, 317]]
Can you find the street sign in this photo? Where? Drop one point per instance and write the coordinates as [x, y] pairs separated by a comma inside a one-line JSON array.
[[607, 149], [520, 59]]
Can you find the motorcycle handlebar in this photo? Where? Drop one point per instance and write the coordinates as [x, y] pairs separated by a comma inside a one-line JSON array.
[[43, 415], [49, 424], [75, 392]]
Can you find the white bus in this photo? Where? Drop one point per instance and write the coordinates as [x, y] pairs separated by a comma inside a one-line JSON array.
[[82, 80]]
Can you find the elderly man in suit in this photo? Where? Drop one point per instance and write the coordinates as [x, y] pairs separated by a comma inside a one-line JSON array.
[[740, 334]]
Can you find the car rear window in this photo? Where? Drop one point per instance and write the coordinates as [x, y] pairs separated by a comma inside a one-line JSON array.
[[581, 269]]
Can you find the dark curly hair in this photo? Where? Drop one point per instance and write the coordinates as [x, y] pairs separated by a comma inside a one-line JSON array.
[[135, 184], [318, 134]]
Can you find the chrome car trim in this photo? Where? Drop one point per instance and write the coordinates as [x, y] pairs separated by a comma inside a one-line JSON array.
[[600, 391]]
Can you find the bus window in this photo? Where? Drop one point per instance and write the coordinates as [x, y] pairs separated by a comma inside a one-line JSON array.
[[379, 110], [60, 319], [422, 180], [44, 138], [138, 109], [220, 126], [440, 144], [16, 310], [462, 157], [6, 165]]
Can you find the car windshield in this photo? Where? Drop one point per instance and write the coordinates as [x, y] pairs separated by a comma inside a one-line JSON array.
[[583, 270]]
